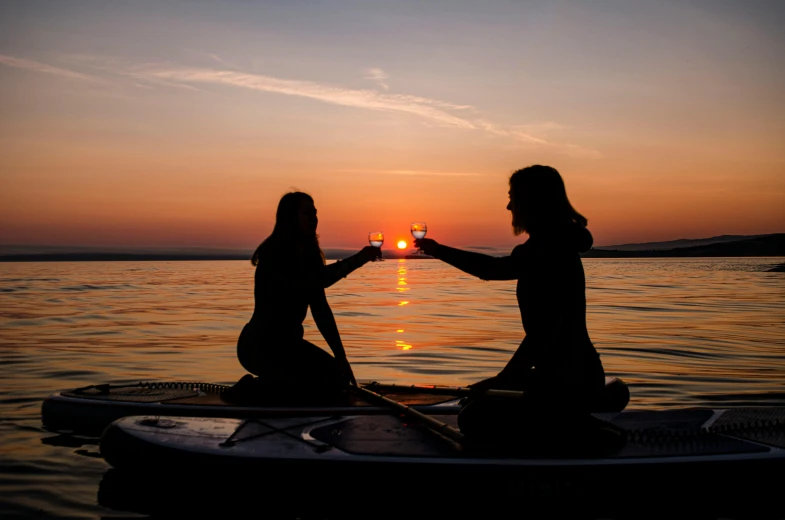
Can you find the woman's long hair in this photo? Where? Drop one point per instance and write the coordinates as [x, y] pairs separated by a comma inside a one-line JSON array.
[[540, 201], [286, 234]]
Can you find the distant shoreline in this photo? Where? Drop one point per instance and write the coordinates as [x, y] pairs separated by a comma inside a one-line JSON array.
[[759, 246], [145, 257], [201, 258], [768, 246], [115, 257]]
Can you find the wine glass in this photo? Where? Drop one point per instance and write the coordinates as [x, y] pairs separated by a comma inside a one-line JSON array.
[[419, 229], [376, 239]]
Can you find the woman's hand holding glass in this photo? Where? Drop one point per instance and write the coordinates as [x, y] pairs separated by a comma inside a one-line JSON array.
[[369, 254], [427, 245]]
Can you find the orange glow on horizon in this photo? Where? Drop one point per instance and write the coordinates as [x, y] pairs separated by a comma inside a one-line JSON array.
[[401, 244]]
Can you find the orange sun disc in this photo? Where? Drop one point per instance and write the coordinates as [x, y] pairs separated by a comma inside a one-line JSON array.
[[401, 244]]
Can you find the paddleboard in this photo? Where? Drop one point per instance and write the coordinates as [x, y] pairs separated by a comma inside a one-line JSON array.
[[88, 410], [726, 445]]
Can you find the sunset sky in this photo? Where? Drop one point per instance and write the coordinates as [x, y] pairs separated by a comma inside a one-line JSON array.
[[173, 124]]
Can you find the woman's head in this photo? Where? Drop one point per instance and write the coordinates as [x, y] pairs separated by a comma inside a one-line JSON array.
[[295, 223], [538, 201], [296, 216]]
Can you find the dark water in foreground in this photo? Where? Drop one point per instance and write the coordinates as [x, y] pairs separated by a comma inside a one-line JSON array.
[[680, 332]]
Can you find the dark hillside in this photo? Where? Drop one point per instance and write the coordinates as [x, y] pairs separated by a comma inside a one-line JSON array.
[[767, 245]]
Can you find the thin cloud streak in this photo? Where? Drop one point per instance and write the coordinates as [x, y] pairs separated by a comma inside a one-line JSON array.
[[219, 60], [523, 136], [43, 67], [378, 75]]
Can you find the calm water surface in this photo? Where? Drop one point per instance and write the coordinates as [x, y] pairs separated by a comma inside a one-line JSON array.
[[680, 332]]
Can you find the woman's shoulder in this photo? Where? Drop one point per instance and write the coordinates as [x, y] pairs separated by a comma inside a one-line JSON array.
[[285, 257], [275, 252], [522, 250], [266, 249], [570, 239]]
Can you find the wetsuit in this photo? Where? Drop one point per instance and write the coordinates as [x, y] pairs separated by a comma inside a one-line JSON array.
[[271, 345], [556, 363]]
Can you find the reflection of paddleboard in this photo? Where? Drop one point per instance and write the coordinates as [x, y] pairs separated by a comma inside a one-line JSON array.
[[718, 445], [409, 493], [90, 409]]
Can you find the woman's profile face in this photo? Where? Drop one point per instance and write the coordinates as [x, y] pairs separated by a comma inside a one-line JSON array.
[[306, 218], [515, 206]]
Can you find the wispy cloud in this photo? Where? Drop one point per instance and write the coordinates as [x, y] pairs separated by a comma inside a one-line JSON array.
[[536, 136], [434, 111], [218, 59], [43, 67], [430, 109], [412, 172], [124, 68], [378, 75]]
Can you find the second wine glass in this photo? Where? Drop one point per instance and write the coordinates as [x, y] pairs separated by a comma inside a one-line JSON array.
[[376, 239], [419, 229]]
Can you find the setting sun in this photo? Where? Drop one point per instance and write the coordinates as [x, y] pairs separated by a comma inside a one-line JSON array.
[[401, 244]]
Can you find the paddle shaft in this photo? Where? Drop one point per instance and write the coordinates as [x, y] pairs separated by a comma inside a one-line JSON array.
[[459, 391], [439, 427]]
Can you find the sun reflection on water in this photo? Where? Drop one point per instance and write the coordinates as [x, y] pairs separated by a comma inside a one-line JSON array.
[[401, 282], [402, 344]]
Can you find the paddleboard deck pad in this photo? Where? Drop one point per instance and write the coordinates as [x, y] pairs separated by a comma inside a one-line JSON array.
[[88, 410], [721, 447]]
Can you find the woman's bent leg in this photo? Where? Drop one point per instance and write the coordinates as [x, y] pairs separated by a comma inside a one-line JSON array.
[[298, 363], [300, 373], [290, 372], [314, 367], [286, 360], [248, 350]]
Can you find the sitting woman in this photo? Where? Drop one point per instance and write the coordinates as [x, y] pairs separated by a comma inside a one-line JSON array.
[[291, 276], [556, 364]]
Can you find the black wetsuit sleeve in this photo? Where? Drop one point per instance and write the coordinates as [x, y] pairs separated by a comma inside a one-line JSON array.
[[483, 266], [320, 278]]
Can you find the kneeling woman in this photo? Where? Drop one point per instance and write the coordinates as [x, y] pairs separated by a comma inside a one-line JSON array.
[[291, 275], [556, 364]]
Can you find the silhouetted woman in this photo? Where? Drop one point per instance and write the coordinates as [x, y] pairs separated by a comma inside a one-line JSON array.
[[291, 276], [556, 363]]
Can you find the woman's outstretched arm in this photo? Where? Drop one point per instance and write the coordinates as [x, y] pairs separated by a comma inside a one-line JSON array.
[[485, 267], [276, 269], [342, 268]]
